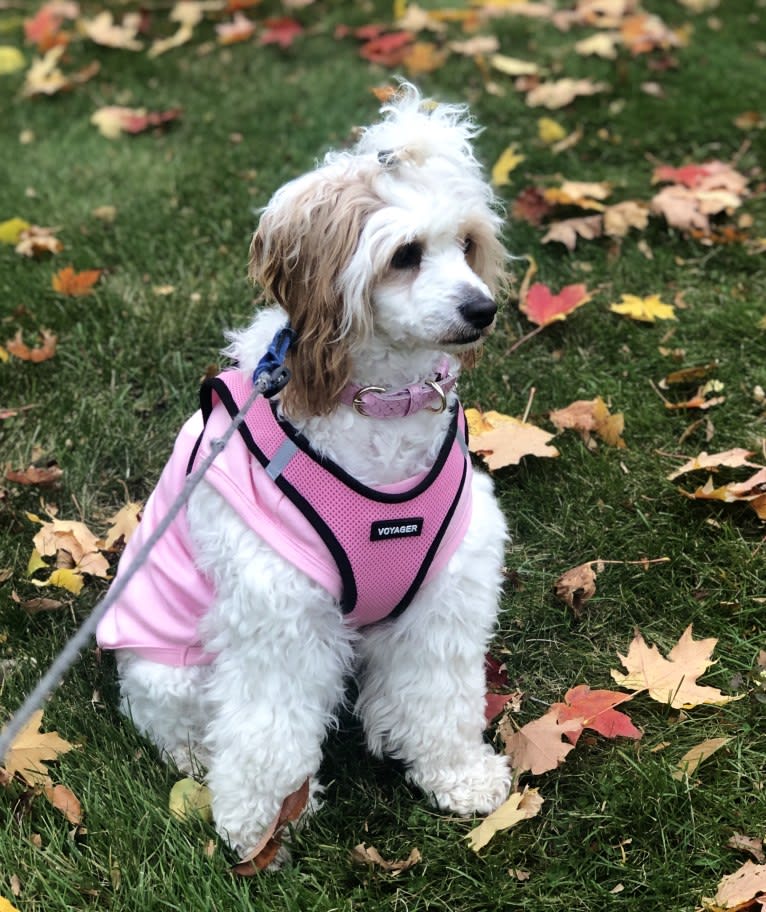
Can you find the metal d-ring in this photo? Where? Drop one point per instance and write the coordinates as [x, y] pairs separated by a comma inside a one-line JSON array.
[[442, 395], [357, 401]]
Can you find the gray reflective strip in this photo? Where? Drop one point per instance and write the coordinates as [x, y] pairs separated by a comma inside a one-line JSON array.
[[281, 459], [461, 441]]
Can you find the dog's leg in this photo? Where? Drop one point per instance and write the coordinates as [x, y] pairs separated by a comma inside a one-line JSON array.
[[282, 652], [422, 694]]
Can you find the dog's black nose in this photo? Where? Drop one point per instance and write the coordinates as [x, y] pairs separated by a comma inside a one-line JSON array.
[[478, 310]]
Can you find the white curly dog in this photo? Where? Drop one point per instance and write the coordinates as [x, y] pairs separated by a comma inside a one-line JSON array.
[[342, 531]]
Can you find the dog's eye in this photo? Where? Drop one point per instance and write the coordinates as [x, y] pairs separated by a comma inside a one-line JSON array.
[[468, 245], [408, 256]]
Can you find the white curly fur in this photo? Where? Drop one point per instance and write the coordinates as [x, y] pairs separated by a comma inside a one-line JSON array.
[[256, 717]]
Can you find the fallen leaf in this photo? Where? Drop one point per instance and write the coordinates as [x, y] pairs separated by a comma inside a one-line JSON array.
[[12, 229], [537, 747], [190, 799], [268, 846], [68, 282], [369, 855], [37, 605], [45, 78], [36, 240], [520, 806], [113, 120], [63, 578], [501, 440], [181, 36], [752, 492], [531, 206], [76, 540], [569, 230], [691, 760], [64, 800], [578, 585], [620, 218], [733, 459], [103, 30], [602, 44], [751, 844], [542, 307], [594, 709], [239, 29], [646, 310], [282, 31], [19, 349], [688, 375], [588, 416], [560, 93], [35, 476], [550, 131], [494, 704], [511, 66], [740, 889], [509, 160], [30, 751], [479, 44], [386, 50], [671, 680], [122, 525]]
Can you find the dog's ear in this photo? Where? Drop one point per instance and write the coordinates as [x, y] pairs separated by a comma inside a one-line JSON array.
[[306, 237]]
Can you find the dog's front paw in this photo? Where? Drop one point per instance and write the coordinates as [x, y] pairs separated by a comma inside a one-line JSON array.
[[476, 785]]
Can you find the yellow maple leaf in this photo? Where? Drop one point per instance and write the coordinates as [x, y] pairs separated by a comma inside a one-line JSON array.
[[63, 578], [550, 131], [509, 159], [6, 906], [520, 806], [10, 230], [671, 680], [30, 751], [647, 310], [502, 440]]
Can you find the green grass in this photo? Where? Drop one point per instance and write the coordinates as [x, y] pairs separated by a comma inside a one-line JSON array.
[[616, 831]]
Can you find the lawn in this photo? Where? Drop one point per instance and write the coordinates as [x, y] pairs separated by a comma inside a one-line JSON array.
[[616, 830]]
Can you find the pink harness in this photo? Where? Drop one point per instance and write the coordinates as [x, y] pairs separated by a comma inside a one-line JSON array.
[[371, 548]]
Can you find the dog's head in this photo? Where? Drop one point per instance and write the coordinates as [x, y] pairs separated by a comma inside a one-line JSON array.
[[395, 240]]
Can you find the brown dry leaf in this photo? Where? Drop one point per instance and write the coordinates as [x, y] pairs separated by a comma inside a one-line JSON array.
[[520, 806], [750, 492], [585, 194], [65, 800], [751, 844], [560, 93], [538, 745], [30, 751], [620, 218], [122, 525], [703, 398], [36, 605], [369, 855], [740, 889], [588, 416], [691, 760], [268, 846], [671, 680], [17, 347], [566, 232], [733, 459], [35, 476], [502, 441], [578, 585], [36, 240], [77, 543]]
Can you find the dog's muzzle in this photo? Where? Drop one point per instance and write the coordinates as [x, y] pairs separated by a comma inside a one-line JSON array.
[[478, 310]]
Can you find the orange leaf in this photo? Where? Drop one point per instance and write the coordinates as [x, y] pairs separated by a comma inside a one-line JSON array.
[[239, 29], [68, 282], [543, 307], [17, 347], [595, 709], [65, 800]]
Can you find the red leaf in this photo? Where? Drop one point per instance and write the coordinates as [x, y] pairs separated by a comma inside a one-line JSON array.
[[495, 673], [688, 175], [494, 704], [595, 709], [542, 306], [387, 50], [531, 206], [281, 31]]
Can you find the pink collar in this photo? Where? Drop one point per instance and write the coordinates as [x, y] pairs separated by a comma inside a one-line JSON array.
[[378, 402]]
